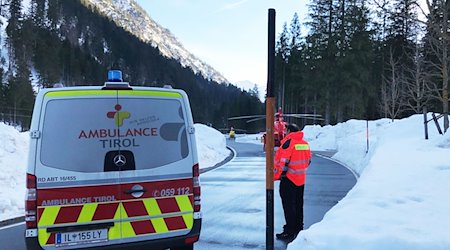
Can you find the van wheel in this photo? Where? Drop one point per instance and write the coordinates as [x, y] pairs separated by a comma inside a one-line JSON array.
[[186, 247]]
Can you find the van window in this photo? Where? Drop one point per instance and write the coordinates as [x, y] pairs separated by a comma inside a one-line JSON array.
[[77, 133]]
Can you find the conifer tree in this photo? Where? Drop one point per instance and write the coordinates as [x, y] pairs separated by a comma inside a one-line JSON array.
[[282, 55], [437, 44], [322, 48]]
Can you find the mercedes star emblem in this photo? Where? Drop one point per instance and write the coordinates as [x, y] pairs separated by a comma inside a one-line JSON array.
[[119, 160]]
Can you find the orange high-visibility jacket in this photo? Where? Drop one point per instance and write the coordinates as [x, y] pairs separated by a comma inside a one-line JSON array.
[[293, 158]]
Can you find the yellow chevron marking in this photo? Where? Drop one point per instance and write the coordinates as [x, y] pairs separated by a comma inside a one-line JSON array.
[[152, 207], [120, 213], [87, 212], [127, 230], [160, 225], [188, 220], [114, 232], [185, 206], [184, 203], [48, 217], [43, 236], [122, 229]]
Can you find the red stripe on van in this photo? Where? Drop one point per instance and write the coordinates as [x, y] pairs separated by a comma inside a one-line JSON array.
[[175, 223], [135, 208], [39, 212], [51, 239], [78, 195], [105, 211], [68, 214], [107, 193], [155, 187], [143, 227], [168, 205]]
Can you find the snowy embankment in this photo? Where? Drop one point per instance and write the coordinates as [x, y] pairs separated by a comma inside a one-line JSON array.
[[401, 198], [13, 163], [399, 202], [211, 146]]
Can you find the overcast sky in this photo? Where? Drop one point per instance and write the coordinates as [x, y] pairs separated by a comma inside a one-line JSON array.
[[231, 36]]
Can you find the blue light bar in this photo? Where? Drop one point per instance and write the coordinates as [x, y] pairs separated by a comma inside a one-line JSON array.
[[115, 76]]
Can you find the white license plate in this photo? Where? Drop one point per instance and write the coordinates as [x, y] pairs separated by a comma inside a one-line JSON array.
[[90, 236]]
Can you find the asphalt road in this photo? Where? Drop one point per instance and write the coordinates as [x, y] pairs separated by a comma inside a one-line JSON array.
[[327, 183]]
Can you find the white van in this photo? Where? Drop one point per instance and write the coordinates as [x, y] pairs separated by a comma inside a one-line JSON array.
[[112, 166]]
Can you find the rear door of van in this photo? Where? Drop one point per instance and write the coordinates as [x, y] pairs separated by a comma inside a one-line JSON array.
[[113, 166]]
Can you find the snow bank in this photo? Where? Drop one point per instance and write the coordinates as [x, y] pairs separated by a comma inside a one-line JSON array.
[[13, 163], [211, 146], [400, 201]]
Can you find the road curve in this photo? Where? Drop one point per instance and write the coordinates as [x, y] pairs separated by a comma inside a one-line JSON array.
[[240, 184], [327, 182]]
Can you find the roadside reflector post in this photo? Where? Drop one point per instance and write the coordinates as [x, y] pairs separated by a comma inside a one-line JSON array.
[[270, 100]]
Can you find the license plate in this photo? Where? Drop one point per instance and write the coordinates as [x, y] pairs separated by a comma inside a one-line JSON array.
[[90, 236]]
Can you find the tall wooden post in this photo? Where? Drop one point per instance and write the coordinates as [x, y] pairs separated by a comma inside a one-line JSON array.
[[270, 100]]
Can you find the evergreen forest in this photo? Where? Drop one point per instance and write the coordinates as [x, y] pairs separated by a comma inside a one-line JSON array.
[[350, 59], [366, 59], [63, 41]]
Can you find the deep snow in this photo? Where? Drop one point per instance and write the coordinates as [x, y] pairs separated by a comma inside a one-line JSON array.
[[400, 201]]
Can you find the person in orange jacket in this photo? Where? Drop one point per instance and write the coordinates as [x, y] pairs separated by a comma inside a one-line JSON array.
[[291, 162]]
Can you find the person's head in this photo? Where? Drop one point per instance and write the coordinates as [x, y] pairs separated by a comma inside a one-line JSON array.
[[292, 127]]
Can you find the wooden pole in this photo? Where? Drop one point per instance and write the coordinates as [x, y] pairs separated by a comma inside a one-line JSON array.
[[270, 100], [435, 119]]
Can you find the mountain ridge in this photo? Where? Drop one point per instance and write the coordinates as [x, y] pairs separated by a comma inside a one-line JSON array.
[[133, 18]]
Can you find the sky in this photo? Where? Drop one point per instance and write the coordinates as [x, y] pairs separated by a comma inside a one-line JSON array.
[[231, 36], [400, 200]]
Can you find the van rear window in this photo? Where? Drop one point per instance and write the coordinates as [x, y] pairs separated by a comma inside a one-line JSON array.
[[78, 133]]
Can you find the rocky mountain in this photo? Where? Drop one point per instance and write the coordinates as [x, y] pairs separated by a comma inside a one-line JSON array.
[[131, 17]]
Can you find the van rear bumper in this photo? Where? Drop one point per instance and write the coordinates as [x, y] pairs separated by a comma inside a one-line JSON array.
[[33, 244]]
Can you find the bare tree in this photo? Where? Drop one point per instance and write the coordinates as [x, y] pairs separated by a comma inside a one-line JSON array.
[[423, 86], [438, 43], [392, 100], [417, 86]]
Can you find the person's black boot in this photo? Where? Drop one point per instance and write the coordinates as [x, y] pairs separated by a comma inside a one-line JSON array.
[[287, 237], [282, 236]]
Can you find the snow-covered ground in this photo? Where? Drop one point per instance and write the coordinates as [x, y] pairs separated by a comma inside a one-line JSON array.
[[400, 201], [13, 164]]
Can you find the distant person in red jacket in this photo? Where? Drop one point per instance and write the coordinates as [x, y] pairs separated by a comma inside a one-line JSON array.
[[291, 161]]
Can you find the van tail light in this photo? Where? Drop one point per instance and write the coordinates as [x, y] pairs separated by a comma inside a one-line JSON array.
[[191, 240], [30, 202], [196, 180]]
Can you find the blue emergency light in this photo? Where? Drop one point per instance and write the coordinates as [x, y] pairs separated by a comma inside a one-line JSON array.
[[115, 81], [115, 76]]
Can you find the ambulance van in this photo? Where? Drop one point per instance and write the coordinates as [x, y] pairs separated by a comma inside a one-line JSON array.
[[112, 166]]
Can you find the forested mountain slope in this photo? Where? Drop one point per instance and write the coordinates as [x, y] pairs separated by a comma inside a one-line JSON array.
[[69, 42]]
